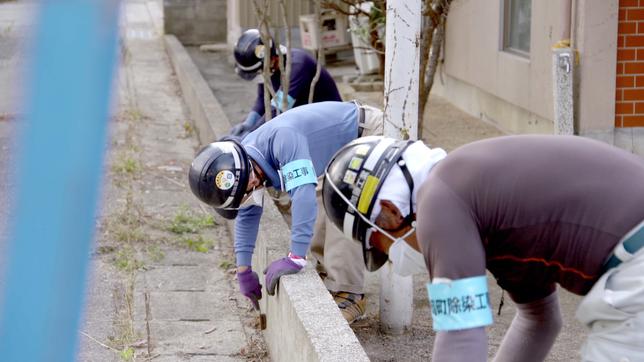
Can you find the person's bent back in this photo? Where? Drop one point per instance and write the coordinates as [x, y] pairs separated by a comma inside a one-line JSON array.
[[249, 63]]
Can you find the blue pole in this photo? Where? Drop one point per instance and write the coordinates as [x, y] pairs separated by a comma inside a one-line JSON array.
[[59, 169]]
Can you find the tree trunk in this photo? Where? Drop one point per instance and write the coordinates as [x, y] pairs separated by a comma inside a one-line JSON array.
[[433, 37]]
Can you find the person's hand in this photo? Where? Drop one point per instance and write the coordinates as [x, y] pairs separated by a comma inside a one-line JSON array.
[[249, 286], [280, 267]]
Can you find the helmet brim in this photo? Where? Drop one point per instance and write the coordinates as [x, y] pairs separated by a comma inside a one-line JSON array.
[[374, 259], [227, 214], [246, 75]]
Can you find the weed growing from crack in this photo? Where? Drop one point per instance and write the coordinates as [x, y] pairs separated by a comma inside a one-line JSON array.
[[126, 224], [124, 324], [105, 249], [125, 234], [226, 264], [126, 165], [133, 114], [125, 259], [127, 354], [185, 221], [155, 253], [188, 130], [197, 243]]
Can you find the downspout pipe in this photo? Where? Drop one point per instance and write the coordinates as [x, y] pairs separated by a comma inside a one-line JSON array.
[[563, 61]]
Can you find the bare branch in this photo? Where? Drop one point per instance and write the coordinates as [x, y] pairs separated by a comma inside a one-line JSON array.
[[285, 74], [332, 5], [433, 38], [262, 18], [320, 53]]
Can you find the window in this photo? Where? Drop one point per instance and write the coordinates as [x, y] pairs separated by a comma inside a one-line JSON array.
[[516, 26]]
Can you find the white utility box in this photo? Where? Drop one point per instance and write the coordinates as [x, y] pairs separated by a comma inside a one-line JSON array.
[[365, 56], [332, 33]]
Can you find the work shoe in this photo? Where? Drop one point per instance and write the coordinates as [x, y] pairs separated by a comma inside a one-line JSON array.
[[351, 305]]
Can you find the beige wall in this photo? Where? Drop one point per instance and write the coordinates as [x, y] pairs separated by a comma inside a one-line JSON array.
[[596, 40], [515, 92]]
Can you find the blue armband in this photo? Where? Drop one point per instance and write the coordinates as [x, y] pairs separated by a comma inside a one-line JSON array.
[[277, 101], [296, 173], [460, 304]]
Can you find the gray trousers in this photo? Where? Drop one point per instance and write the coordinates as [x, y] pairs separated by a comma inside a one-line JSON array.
[[338, 257]]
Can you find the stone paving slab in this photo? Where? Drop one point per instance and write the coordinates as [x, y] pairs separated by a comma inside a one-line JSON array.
[[224, 338], [184, 306], [184, 278]]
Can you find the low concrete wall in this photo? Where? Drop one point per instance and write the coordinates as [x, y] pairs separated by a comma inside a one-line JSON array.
[[195, 22], [302, 321]]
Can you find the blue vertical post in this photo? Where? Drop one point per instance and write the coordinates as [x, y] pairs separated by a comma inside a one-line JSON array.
[[61, 145]]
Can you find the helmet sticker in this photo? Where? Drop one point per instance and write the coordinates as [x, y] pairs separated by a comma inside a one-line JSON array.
[[349, 177], [368, 192], [362, 150], [355, 163], [225, 179], [259, 51]]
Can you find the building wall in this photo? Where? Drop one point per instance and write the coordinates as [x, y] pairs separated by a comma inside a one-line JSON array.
[[195, 22], [594, 37], [629, 95], [473, 56], [516, 93]]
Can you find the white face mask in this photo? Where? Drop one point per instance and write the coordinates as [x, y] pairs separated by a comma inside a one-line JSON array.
[[406, 260]]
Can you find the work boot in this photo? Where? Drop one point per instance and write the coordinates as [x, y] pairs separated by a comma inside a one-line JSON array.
[[351, 305]]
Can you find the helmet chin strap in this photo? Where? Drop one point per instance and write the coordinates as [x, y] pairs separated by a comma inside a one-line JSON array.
[[403, 225]]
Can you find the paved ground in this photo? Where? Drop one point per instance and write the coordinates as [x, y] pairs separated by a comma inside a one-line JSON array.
[[162, 286], [446, 127], [15, 26]]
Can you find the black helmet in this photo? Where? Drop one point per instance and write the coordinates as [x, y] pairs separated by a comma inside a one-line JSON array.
[[249, 54], [354, 176], [219, 176]]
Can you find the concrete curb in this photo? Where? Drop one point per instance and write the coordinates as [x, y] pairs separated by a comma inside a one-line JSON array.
[[303, 323]]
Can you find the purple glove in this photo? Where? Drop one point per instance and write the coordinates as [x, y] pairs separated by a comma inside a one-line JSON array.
[[278, 268], [250, 287]]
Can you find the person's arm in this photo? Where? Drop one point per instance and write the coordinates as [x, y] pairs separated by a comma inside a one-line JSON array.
[[533, 331], [449, 238], [304, 212], [298, 178], [246, 226]]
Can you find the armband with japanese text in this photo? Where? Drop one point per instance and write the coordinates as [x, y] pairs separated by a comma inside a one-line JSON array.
[[459, 304]]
